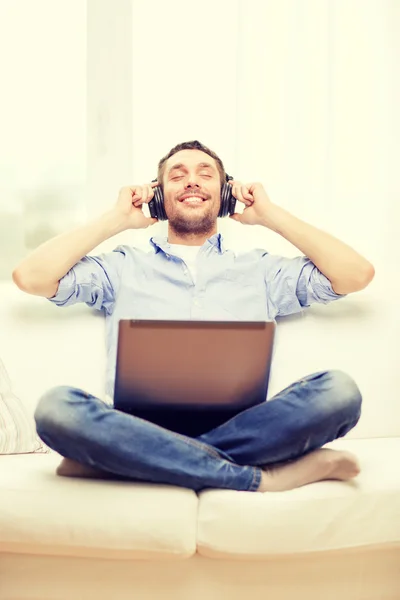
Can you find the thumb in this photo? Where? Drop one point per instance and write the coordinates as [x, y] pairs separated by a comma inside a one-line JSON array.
[[151, 221], [236, 217]]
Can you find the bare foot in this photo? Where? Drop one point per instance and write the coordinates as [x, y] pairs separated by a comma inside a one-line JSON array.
[[316, 466], [72, 468]]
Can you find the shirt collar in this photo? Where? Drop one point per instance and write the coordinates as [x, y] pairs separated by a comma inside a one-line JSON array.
[[160, 243]]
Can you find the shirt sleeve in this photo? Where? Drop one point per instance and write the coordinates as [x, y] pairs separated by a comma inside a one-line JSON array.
[[295, 283], [94, 280]]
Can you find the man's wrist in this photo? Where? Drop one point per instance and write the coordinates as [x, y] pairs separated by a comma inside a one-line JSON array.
[[274, 218], [112, 223]]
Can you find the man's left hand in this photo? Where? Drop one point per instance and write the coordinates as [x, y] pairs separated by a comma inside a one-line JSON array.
[[257, 202]]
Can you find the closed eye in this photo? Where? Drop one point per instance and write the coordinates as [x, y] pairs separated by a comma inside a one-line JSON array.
[[207, 175]]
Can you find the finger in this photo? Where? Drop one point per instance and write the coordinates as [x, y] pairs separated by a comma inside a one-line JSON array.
[[154, 184], [137, 193], [241, 192], [250, 189], [247, 197], [238, 193], [150, 193], [145, 194], [233, 184]]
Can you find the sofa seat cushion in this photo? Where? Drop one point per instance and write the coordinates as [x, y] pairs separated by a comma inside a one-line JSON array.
[[326, 515], [42, 513]]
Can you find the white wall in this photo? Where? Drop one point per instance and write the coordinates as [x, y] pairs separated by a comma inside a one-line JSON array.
[[301, 95]]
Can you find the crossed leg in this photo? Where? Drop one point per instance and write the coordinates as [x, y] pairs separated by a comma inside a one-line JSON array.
[[285, 435], [274, 446]]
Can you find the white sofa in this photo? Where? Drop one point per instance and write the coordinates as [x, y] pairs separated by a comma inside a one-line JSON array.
[[69, 538]]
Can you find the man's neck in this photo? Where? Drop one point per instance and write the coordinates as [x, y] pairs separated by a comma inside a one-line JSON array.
[[191, 239]]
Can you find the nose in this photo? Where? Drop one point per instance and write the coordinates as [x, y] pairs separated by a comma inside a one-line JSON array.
[[191, 182]]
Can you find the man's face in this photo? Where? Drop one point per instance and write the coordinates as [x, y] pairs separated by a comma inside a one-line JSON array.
[[192, 192]]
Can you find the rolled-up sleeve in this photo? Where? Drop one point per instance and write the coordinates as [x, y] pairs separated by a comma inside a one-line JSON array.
[[94, 280], [295, 283]]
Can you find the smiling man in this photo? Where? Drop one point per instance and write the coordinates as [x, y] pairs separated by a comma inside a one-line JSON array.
[[192, 211], [274, 446]]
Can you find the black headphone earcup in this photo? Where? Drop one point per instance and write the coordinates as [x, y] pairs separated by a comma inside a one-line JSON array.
[[228, 201], [156, 205]]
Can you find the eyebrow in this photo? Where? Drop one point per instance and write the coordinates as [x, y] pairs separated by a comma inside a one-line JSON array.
[[201, 165]]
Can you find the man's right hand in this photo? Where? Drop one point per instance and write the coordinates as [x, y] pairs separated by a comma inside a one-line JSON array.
[[129, 205]]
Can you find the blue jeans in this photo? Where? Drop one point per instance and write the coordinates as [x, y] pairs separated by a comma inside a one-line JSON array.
[[303, 417]]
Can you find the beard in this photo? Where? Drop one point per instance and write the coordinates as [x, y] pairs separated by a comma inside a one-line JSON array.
[[183, 223], [199, 225]]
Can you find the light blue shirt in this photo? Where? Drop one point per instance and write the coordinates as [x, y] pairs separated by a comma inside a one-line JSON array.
[[129, 283]]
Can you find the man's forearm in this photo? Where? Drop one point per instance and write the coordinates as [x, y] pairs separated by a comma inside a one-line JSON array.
[[41, 270], [347, 270]]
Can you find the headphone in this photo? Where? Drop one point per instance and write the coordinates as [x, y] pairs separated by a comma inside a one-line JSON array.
[[228, 202]]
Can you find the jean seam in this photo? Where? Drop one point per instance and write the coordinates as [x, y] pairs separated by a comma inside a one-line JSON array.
[[299, 383], [255, 484], [196, 444]]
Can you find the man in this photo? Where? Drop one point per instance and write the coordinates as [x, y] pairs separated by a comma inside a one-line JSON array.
[[274, 446]]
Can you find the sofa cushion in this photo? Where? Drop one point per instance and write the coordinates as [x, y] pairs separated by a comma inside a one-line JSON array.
[[17, 428], [44, 346], [327, 515], [42, 513]]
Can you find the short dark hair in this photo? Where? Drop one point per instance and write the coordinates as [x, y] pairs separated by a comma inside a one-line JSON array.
[[193, 145]]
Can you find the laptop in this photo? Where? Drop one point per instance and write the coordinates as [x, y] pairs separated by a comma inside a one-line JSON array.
[[191, 376]]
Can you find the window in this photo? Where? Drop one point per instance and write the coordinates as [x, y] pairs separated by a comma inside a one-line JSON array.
[[42, 123]]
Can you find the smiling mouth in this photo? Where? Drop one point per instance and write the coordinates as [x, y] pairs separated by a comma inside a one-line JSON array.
[[195, 200]]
